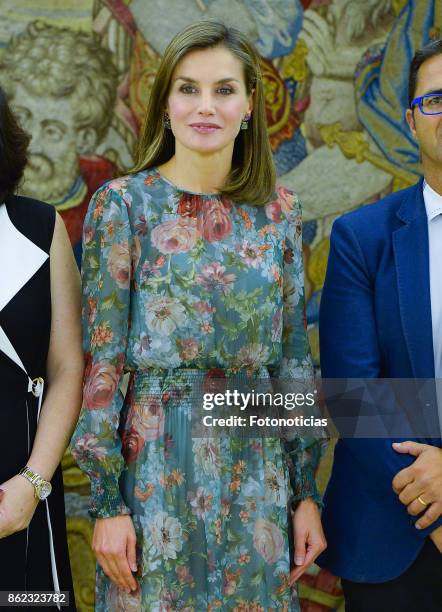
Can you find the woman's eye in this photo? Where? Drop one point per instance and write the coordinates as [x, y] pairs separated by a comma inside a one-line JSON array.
[[187, 89], [225, 91]]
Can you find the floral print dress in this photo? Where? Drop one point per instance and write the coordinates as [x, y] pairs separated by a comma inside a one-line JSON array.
[[177, 286]]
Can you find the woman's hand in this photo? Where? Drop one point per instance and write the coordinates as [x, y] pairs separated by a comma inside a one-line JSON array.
[[114, 543], [17, 505], [309, 538]]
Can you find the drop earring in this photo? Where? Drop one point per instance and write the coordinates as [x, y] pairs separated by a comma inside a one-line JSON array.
[[245, 122], [166, 121]]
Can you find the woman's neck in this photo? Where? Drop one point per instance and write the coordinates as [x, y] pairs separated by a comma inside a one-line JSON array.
[[198, 173]]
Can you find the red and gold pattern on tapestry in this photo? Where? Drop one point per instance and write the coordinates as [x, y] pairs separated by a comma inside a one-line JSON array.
[[116, 27], [320, 591], [294, 65], [282, 121], [143, 68]]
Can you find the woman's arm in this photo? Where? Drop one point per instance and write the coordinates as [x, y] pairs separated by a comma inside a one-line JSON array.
[[62, 402], [96, 443], [65, 365], [106, 279], [302, 453]]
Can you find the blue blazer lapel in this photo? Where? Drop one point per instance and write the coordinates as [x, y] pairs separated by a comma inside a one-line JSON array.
[[410, 244]]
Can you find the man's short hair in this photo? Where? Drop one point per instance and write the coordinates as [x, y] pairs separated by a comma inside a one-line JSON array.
[[422, 55], [52, 61]]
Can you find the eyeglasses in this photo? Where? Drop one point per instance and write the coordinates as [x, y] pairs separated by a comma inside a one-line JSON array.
[[429, 104]]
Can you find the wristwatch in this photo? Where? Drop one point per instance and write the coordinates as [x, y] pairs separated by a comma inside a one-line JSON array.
[[42, 487]]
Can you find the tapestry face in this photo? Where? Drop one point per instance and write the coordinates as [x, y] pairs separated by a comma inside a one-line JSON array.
[[79, 74]]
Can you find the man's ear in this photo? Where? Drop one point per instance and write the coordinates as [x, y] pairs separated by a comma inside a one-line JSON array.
[[86, 140], [409, 116]]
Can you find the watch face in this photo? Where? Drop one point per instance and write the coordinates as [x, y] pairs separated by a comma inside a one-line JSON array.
[[44, 489]]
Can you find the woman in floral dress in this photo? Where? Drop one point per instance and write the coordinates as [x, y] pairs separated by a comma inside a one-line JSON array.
[[192, 269]]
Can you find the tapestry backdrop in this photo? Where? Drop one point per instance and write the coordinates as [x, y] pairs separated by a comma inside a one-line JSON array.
[[79, 73]]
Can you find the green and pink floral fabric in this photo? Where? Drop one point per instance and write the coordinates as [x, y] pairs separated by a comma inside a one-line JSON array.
[[180, 287]]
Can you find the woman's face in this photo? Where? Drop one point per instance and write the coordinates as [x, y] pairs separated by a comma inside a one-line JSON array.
[[208, 100]]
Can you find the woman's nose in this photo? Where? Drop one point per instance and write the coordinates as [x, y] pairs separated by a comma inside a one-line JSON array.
[[206, 104]]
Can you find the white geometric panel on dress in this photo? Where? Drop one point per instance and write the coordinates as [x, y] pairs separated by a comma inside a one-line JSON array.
[[20, 259]]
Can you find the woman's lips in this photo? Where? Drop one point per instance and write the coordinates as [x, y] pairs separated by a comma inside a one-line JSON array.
[[204, 128]]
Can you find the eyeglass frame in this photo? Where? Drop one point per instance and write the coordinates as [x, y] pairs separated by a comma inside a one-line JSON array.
[[418, 101]]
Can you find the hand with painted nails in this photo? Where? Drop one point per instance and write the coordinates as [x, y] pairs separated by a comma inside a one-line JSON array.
[[17, 505], [309, 539], [419, 486]]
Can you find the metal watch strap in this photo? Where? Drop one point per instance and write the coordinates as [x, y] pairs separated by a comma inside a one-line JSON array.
[[34, 478]]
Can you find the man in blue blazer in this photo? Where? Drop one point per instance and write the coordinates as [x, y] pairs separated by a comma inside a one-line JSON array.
[[381, 317]]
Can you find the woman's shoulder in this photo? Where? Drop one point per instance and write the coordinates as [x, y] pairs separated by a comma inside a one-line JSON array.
[[284, 204], [123, 198], [127, 187], [288, 197], [33, 218]]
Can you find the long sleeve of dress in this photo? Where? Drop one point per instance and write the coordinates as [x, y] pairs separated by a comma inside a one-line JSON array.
[[106, 275], [296, 367]]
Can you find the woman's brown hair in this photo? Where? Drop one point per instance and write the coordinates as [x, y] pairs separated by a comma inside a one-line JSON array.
[[252, 176]]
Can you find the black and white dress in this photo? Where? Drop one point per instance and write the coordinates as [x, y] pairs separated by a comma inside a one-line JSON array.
[[36, 558]]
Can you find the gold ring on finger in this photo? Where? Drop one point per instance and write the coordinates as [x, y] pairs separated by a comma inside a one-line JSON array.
[[422, 501]]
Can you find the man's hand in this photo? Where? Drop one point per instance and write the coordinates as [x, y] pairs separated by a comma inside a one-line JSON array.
[[436, 537], [17, 505], [309, 538], [422, 479]]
